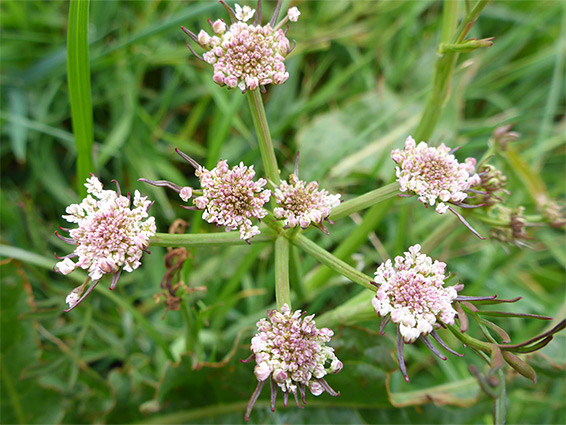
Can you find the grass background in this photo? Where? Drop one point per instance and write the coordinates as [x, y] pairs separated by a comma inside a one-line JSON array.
[[359, 79]]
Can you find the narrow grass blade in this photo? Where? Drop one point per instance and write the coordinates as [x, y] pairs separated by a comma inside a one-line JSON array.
[[78, 71]]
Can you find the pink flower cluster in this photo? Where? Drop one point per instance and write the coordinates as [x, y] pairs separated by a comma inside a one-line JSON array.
[[290, 350], [434, 174], [301, 203], [231, 198], [245, 55], [110, 236], [412, 291]]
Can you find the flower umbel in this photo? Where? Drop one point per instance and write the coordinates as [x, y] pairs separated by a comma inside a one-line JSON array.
[[435, 175], [411, 293], [301, 203], [246, 55], [290, 351], [230, 197], [111, 236]]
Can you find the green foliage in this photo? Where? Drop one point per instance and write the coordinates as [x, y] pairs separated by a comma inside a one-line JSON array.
[[360, 76]]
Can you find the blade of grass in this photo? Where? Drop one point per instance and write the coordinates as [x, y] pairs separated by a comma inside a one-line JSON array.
[[554, 91], [17, 131], [78, 71]]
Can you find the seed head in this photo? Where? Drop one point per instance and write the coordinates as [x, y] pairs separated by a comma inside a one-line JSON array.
[[514, 230], [492, 183]]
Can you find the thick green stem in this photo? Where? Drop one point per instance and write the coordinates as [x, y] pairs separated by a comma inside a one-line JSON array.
[[444, 69], [282, 288], [364, 201], [348, 246], [208, 239], [449, 20], [263, 136], [331, 261]]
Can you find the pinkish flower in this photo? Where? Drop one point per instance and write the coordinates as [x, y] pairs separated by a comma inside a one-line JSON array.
[[243, 14], [246, 55], [291, 352], [301, 204], [411, 293], [230, 197], [436, 176], [293, 14], [111, 236], [186, 193]]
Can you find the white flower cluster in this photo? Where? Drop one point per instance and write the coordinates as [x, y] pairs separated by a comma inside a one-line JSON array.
[[110, 235], [412, 291], [301, 204], [290, 348], [434, 174]]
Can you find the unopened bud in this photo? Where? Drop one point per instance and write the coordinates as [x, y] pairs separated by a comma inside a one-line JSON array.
[[219, 27], [502, 135]]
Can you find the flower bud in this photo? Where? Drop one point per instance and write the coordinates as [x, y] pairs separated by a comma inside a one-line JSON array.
[[66, 266], [293, 14], [219, 27]]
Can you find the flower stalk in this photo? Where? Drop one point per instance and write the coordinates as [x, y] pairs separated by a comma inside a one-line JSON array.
[[333, 262], [196, 240], [364, 201], [263, 136], [282, 286]]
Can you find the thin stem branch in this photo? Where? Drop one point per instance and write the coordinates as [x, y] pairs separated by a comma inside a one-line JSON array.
[[500, 403], [282, 288], [263, 136], [348, 246], [187, 318], [208, 239], [364, 201], [469, 340], [331, 261]]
